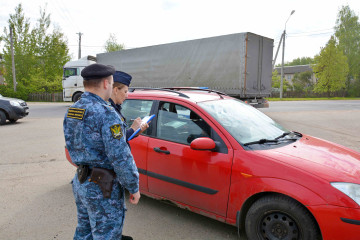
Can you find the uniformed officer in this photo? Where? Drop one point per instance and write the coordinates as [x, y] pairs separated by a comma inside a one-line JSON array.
[[118, 96], [96, 143]]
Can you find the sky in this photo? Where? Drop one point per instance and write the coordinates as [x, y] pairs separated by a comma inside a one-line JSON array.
[[140, 23]]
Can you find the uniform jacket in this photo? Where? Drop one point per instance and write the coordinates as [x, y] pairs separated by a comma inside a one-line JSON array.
[[94, 135]]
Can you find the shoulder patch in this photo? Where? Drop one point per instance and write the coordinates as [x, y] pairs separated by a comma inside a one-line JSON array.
[[116, 131], [76, 113]]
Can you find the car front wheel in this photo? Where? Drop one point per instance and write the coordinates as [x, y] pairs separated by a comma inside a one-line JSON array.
[[2, 118], [279, 217]]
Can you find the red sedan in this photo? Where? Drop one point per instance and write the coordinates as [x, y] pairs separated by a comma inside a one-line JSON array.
[[219, 157]]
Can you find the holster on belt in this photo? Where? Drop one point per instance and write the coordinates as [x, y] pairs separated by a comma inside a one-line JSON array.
[[104, 178], [83, 171]]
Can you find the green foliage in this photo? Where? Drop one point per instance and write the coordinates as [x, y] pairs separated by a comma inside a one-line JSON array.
[[302, 82], [111, 44], [39, 55], [347, 31], [298, 61], [276, 82], [21, 92], [331, 68], [354, 90]]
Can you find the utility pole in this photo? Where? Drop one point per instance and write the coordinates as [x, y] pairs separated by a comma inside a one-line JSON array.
[[282, 66], [80, 34], [12, 57], [283, 54]]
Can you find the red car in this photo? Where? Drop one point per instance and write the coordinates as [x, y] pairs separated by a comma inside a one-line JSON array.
[[219, 157]]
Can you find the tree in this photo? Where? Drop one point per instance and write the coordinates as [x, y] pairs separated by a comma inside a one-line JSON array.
[[302, 81], [347, 31], [39, 55], [330, 68], [23, 51], [51, 53], [111, 44], [276, 79], [298, 61]]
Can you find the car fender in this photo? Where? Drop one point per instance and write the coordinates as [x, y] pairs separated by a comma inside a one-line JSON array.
[[8, 111], [241, 198]]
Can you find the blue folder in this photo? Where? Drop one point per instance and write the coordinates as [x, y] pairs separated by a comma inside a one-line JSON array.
[[146, 119]]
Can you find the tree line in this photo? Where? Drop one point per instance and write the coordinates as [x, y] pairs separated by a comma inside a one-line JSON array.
[[336, 67], [40, 53]]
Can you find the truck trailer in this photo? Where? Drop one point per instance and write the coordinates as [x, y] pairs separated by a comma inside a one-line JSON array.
[[239, 65]]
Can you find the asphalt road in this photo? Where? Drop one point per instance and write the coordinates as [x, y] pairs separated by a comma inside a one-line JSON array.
[[36, 198]]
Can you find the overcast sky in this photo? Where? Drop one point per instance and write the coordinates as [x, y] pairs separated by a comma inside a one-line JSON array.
[[139, 23]]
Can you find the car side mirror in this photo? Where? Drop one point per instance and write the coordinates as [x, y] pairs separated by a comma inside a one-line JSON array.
[[202, 143]]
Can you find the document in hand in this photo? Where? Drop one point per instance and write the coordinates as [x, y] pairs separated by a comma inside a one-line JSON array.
[[146, 119]]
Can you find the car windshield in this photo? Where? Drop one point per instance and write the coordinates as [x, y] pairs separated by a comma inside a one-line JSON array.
[[245, 123]]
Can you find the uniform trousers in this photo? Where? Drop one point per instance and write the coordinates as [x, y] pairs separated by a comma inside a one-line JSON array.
[[99, 218]]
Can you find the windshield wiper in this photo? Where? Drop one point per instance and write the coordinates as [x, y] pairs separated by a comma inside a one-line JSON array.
[[288, 133], [283, 135], [262, 141]]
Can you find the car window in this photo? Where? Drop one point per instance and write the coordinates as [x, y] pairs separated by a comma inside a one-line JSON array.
[[133, 108], [70, 72], [179, 124]]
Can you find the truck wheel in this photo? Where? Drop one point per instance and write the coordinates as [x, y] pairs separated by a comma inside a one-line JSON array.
[[2, 118], [77, 96], [278, 217]]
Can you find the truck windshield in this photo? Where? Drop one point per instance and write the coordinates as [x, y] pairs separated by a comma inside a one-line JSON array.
[[245, 123], [70, 72]]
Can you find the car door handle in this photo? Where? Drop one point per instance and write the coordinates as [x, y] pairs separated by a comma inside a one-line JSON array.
[[161, 151]]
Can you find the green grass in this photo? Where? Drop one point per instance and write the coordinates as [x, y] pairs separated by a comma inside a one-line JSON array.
[[312, 99]]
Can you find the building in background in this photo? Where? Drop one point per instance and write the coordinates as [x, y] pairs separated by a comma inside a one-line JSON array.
[[290, 71]]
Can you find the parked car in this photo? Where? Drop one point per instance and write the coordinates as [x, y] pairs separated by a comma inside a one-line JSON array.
[[12, 109], [220, 157]]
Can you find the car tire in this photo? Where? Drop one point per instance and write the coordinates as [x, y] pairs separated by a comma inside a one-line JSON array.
[[13, 120], [77, 96], [2, 118], [280, 217]]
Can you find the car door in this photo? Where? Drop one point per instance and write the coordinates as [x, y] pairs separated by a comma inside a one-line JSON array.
[[175, 171], [131, 109]]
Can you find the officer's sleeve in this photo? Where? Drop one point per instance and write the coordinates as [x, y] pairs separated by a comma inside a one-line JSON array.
[[129, 132], [119, 153]]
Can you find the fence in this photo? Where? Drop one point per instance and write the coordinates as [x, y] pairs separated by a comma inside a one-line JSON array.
[[46, 97]]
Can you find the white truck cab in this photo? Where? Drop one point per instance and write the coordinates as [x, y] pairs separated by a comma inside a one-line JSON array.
[[72, 82]]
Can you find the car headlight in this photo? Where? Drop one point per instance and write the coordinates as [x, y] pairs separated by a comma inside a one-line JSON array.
[[15, 103], [350, 189]]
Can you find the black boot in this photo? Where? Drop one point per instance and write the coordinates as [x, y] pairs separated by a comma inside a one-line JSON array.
[[123, 237]]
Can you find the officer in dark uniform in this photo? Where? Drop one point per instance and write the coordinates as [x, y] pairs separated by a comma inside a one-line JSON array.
[[119, 94], [94, 135]]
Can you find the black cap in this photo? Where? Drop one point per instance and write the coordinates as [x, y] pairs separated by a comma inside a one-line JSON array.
[[122, 77], [97, 71]]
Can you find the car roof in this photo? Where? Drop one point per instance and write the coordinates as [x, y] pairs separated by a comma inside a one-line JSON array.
[[185, 93]]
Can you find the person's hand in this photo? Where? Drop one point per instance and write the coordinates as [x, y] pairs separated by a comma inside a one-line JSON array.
[[136, 124], [143, 127], [134, 198]]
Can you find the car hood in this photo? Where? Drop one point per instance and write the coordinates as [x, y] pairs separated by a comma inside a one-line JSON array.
[[325, 159], [11, 99]]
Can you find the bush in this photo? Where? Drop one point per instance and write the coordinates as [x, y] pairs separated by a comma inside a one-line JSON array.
[[21, 92]]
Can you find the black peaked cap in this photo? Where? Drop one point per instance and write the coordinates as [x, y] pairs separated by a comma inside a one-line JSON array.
[[97, 71]]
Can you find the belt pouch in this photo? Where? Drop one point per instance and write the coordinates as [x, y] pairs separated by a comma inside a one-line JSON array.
[[104, 178]]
